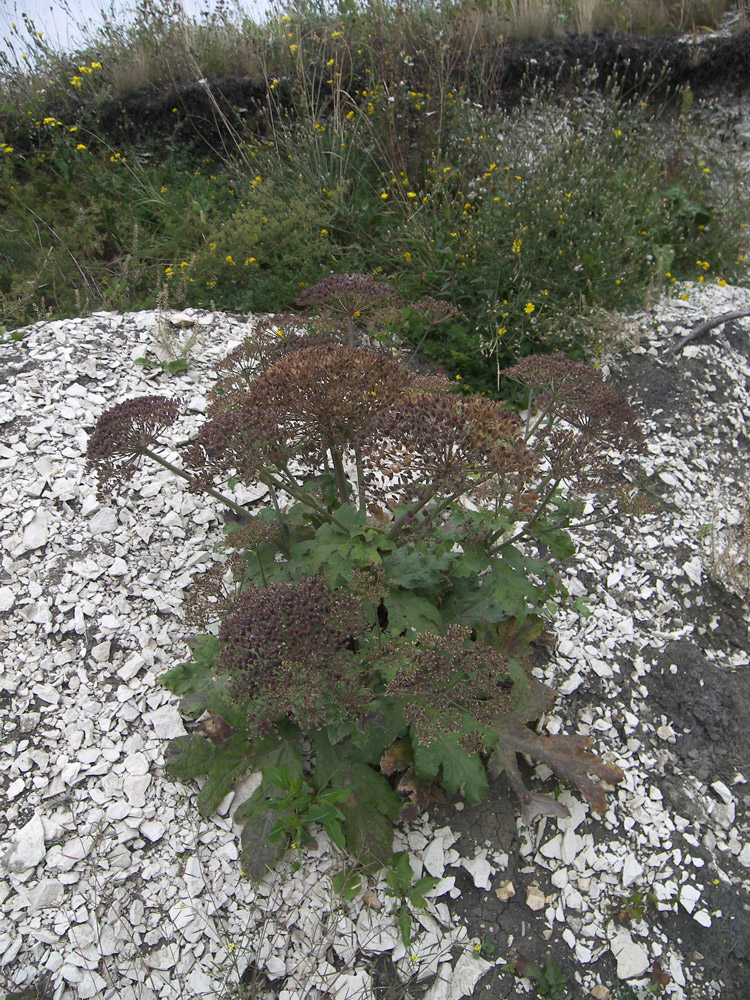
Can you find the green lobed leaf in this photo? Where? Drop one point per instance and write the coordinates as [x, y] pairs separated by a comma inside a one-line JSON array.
[[460, 769], [420, 567], [407, 610], [258, 852], [371, 808], [191, 756]]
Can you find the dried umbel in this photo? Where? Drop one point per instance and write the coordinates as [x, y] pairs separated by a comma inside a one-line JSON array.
[[440, 445], [339, 299], [243, 440], [578, 418], [288, 649], [576, 392], [444, 679], [124, 434], [272, 339], [328, 394]]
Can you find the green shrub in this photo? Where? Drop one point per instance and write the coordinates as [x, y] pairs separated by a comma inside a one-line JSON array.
[[272, 247]]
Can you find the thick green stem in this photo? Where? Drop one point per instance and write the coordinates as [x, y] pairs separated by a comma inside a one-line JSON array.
[[342, 483], [308, 501], [360, 481], [237, 508], [414, 509], [529, 524]]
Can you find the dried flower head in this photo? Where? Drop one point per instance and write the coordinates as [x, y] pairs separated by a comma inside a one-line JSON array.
[[582, 418], [340, 299], [211, 595], [347, 293], [288, 650], [243, 440], [325, 395], [123, 433], [447, 445], [444, 679], [435, 310], [272, 338], [577, 393]]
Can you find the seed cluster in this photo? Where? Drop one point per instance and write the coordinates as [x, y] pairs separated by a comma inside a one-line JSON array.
[[444, 680], [446, 444], [290, 649], [122, 433]]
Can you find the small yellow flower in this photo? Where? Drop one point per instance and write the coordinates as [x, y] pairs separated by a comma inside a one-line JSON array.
[[73, 128], [618, 133], [407, 255], [6, 149], [174, 111], [336, 34], [96, 65], [502, 331], [168, 271], [80, 146], [529, 308], [410, 194], [324, 232], [330, 62], [162, 189], [384, 196], [229, 259], [722, 283], [183, 265], [76, 81], [293, 48], [516, 248], [212, 246], [459, 378]]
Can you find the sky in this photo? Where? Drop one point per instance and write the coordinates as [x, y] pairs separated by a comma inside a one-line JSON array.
[[61, 21]]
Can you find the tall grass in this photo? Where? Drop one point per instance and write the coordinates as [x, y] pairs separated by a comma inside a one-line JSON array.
[[376, 144]]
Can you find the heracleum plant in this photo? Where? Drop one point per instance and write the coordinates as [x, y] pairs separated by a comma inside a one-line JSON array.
[[385, 598]]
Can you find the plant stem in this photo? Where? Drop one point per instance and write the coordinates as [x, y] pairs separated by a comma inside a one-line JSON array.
[[237, 508], [342, 482], [360, 481]]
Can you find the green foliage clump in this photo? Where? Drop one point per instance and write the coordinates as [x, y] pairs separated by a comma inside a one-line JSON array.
[[259, 259]]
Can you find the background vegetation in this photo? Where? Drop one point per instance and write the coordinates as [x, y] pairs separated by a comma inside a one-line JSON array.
[[370, 138]]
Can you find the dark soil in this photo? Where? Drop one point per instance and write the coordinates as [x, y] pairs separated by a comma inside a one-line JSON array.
[[210, 113]]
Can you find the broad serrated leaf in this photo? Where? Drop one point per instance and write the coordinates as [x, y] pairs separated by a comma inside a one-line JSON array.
[[460, 769], [371, 808], [186, 678], [567, 756], [271, 757], [205, 649], [379, 729], [513, 638], [419, 568], [191, 756], [407, 610]]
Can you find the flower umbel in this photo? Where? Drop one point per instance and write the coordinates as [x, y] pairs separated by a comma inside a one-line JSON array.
[[122, 435], [287, 647]]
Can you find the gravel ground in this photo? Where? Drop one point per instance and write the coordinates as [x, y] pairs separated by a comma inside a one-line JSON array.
[[113, 887]]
